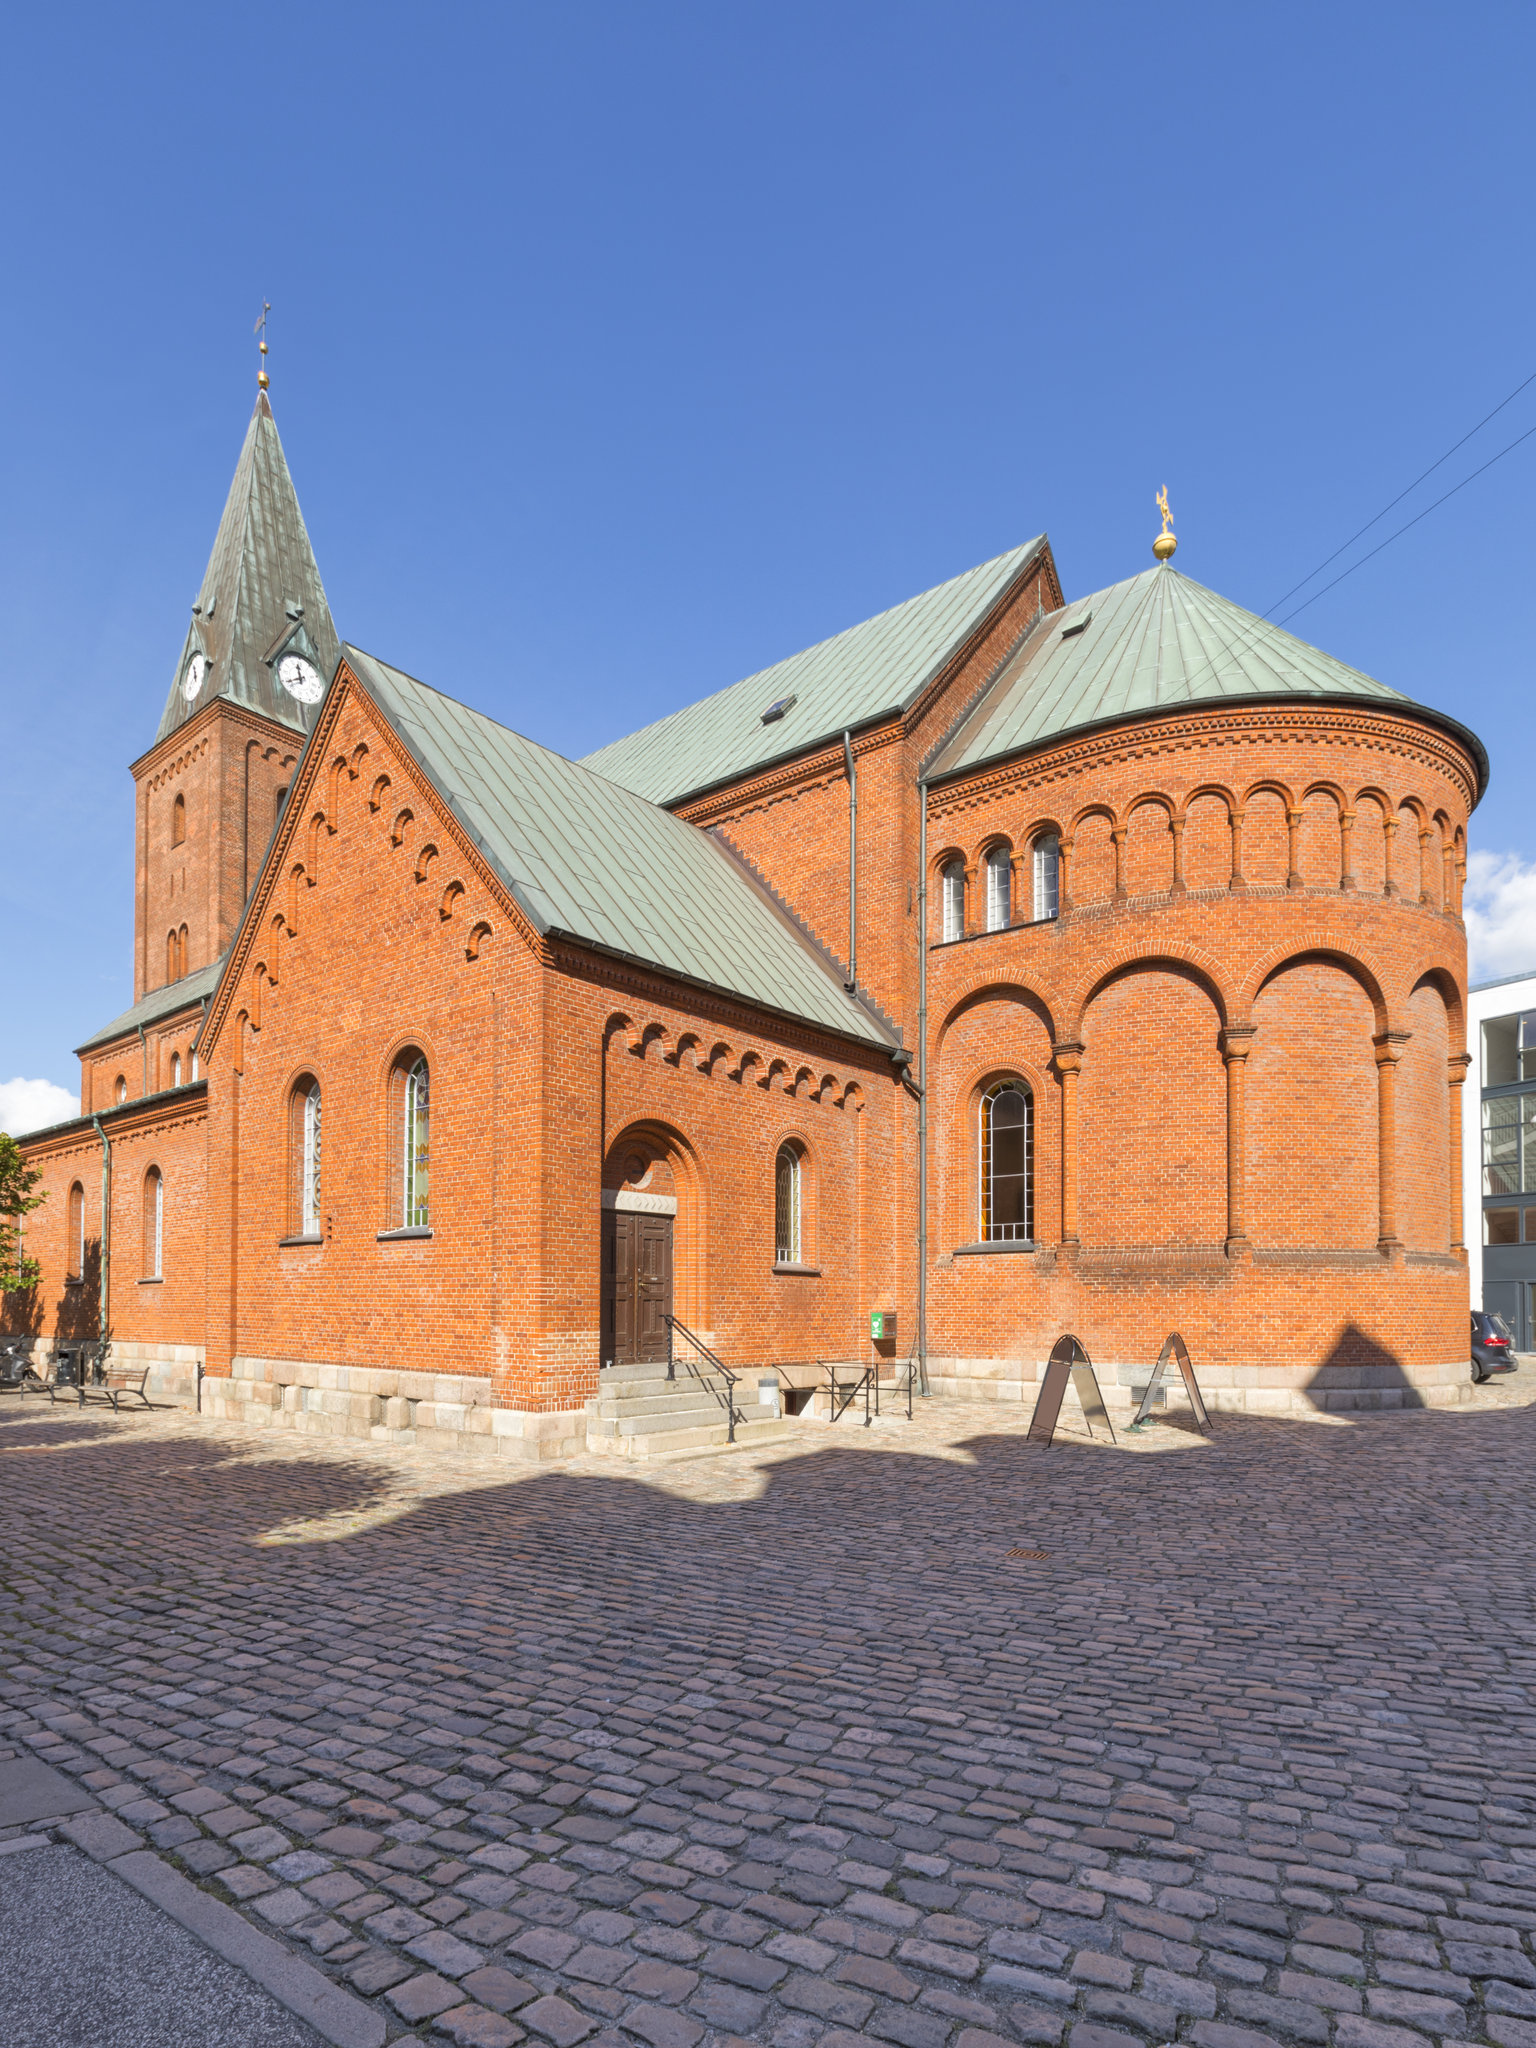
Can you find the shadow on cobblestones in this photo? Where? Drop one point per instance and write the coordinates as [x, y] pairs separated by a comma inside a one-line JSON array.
[[791, 1749]]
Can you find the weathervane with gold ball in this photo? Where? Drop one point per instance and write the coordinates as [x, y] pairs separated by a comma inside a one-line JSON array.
[[1166, 542]]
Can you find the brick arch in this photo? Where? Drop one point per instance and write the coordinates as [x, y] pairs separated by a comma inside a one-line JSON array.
[[1444, 980], [1216, 789], [1313, 947], [810, 1178], [1147, 855], [620, 1021], [690, 1230], [1044, 1007], [1269, 785], [1194, 966]]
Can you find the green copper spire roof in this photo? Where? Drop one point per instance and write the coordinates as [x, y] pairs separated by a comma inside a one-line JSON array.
[[261, 597], [1153, 643]]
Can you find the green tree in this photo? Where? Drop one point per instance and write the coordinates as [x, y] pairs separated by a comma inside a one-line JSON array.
[[17, 1180]]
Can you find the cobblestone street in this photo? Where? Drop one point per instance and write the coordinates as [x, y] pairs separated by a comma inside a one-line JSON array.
[[810, 1745]]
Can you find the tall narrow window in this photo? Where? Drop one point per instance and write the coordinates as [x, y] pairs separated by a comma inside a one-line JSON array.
[[178, 821], [194, 1063], [1007, 1162], [171, 971], [175, 1069], [181, 953], [416, 1153], [1047, 866], [75, 1250], [999, 872], [304, 1151], [786, 1207], [954, 899], [154, 1222], [120, 1089]]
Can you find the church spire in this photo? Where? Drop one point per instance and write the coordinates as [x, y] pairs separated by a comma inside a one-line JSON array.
[[261, 633]]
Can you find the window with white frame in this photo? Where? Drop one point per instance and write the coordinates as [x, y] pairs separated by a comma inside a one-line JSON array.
[[415, 1143], [76, 1244], [154, 1222], [953, 885], [999, 878], [1047, 876], [304, 1158], [786, 1206], [1006, 1157]]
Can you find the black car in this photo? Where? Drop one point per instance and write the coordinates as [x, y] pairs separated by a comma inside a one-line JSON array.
[[1493, 1349]]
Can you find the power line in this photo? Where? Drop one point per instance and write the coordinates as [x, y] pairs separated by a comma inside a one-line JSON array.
[[1436, 464], [1403, 529]]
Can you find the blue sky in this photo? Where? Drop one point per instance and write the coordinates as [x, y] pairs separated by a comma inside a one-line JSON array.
[[619, 351]]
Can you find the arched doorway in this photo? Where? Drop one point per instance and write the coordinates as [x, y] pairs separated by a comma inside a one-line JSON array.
[[639, 1222]]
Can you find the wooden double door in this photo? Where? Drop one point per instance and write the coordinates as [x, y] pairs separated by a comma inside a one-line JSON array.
[[637, 1286]]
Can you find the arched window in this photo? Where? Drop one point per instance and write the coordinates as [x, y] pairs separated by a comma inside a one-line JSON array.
[[178, 821], [786, 1206], [954, 899], [194, 1062], [181, 953], [304, 1159], [154, 1222], [412, 1143], [175, 1069], [120, 1088], [1007, 1162], [74, 1251], [999, 875], [1047, 867], [171, 973]]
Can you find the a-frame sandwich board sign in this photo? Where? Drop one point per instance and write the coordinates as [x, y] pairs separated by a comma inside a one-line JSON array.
[[1174, 1353], [1068, 1360]]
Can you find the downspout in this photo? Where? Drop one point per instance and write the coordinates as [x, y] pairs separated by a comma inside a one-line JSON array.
[[853, 864], [104, 1290], [922, 1083]]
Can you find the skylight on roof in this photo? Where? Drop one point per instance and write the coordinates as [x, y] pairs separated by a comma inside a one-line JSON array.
[[777, 709], [1075, 626]]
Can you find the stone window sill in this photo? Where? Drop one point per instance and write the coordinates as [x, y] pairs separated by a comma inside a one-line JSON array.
[[395, 1236], [996, 1244], [314, 1238], [783, 1266], [1018, 924], [153, 1280]]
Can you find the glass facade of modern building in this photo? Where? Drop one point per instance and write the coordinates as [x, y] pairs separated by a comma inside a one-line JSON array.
[[1506, 1054]]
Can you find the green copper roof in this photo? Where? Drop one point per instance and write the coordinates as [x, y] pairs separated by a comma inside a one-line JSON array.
[[879, 667], [590, 861], [160, 1002], [261, 594], [1151, 644]]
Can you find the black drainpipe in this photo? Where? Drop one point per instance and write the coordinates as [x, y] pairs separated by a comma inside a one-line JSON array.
[[853, 864], [103, 1292]]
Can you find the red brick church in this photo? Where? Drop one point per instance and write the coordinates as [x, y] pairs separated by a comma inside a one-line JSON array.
[[1004, 965]]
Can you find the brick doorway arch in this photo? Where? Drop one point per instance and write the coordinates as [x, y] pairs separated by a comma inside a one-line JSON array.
[[650, 1247]]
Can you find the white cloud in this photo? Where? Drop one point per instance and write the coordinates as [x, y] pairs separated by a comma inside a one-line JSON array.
[[29, 1105], [1499, 904]]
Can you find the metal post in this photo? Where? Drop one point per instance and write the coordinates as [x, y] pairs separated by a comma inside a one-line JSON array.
[[669, 1348]]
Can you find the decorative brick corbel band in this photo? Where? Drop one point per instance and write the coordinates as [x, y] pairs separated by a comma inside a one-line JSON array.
[[1236, 1044], [1068, 1056], [1389, 1050]]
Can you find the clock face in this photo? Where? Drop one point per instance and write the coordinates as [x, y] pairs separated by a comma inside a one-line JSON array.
[[300, 679], [192, 682]]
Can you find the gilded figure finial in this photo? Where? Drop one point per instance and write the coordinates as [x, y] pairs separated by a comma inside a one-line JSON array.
[[261, 329], [1166, 542]]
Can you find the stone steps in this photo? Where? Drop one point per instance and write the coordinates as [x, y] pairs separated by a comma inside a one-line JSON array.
[[640, 1413]]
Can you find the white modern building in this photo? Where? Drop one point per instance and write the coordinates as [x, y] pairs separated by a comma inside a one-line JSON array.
[[1499, 1151]]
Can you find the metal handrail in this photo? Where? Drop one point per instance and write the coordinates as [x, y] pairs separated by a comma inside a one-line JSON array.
[[675, 1328], [851, 1390]]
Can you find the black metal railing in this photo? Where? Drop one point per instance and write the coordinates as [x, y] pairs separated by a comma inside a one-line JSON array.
[[726, 1396], [841, 1394]]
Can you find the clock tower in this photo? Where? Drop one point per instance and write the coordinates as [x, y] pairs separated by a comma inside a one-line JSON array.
[[259, 651]]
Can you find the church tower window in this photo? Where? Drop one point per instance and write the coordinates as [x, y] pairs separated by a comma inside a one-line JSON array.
[[178, 821]]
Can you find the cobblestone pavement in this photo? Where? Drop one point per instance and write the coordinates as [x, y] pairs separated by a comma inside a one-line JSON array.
[[810, 1745]]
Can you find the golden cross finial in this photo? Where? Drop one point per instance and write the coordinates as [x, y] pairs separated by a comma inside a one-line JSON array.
[[1165, 543], [261, 329]]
